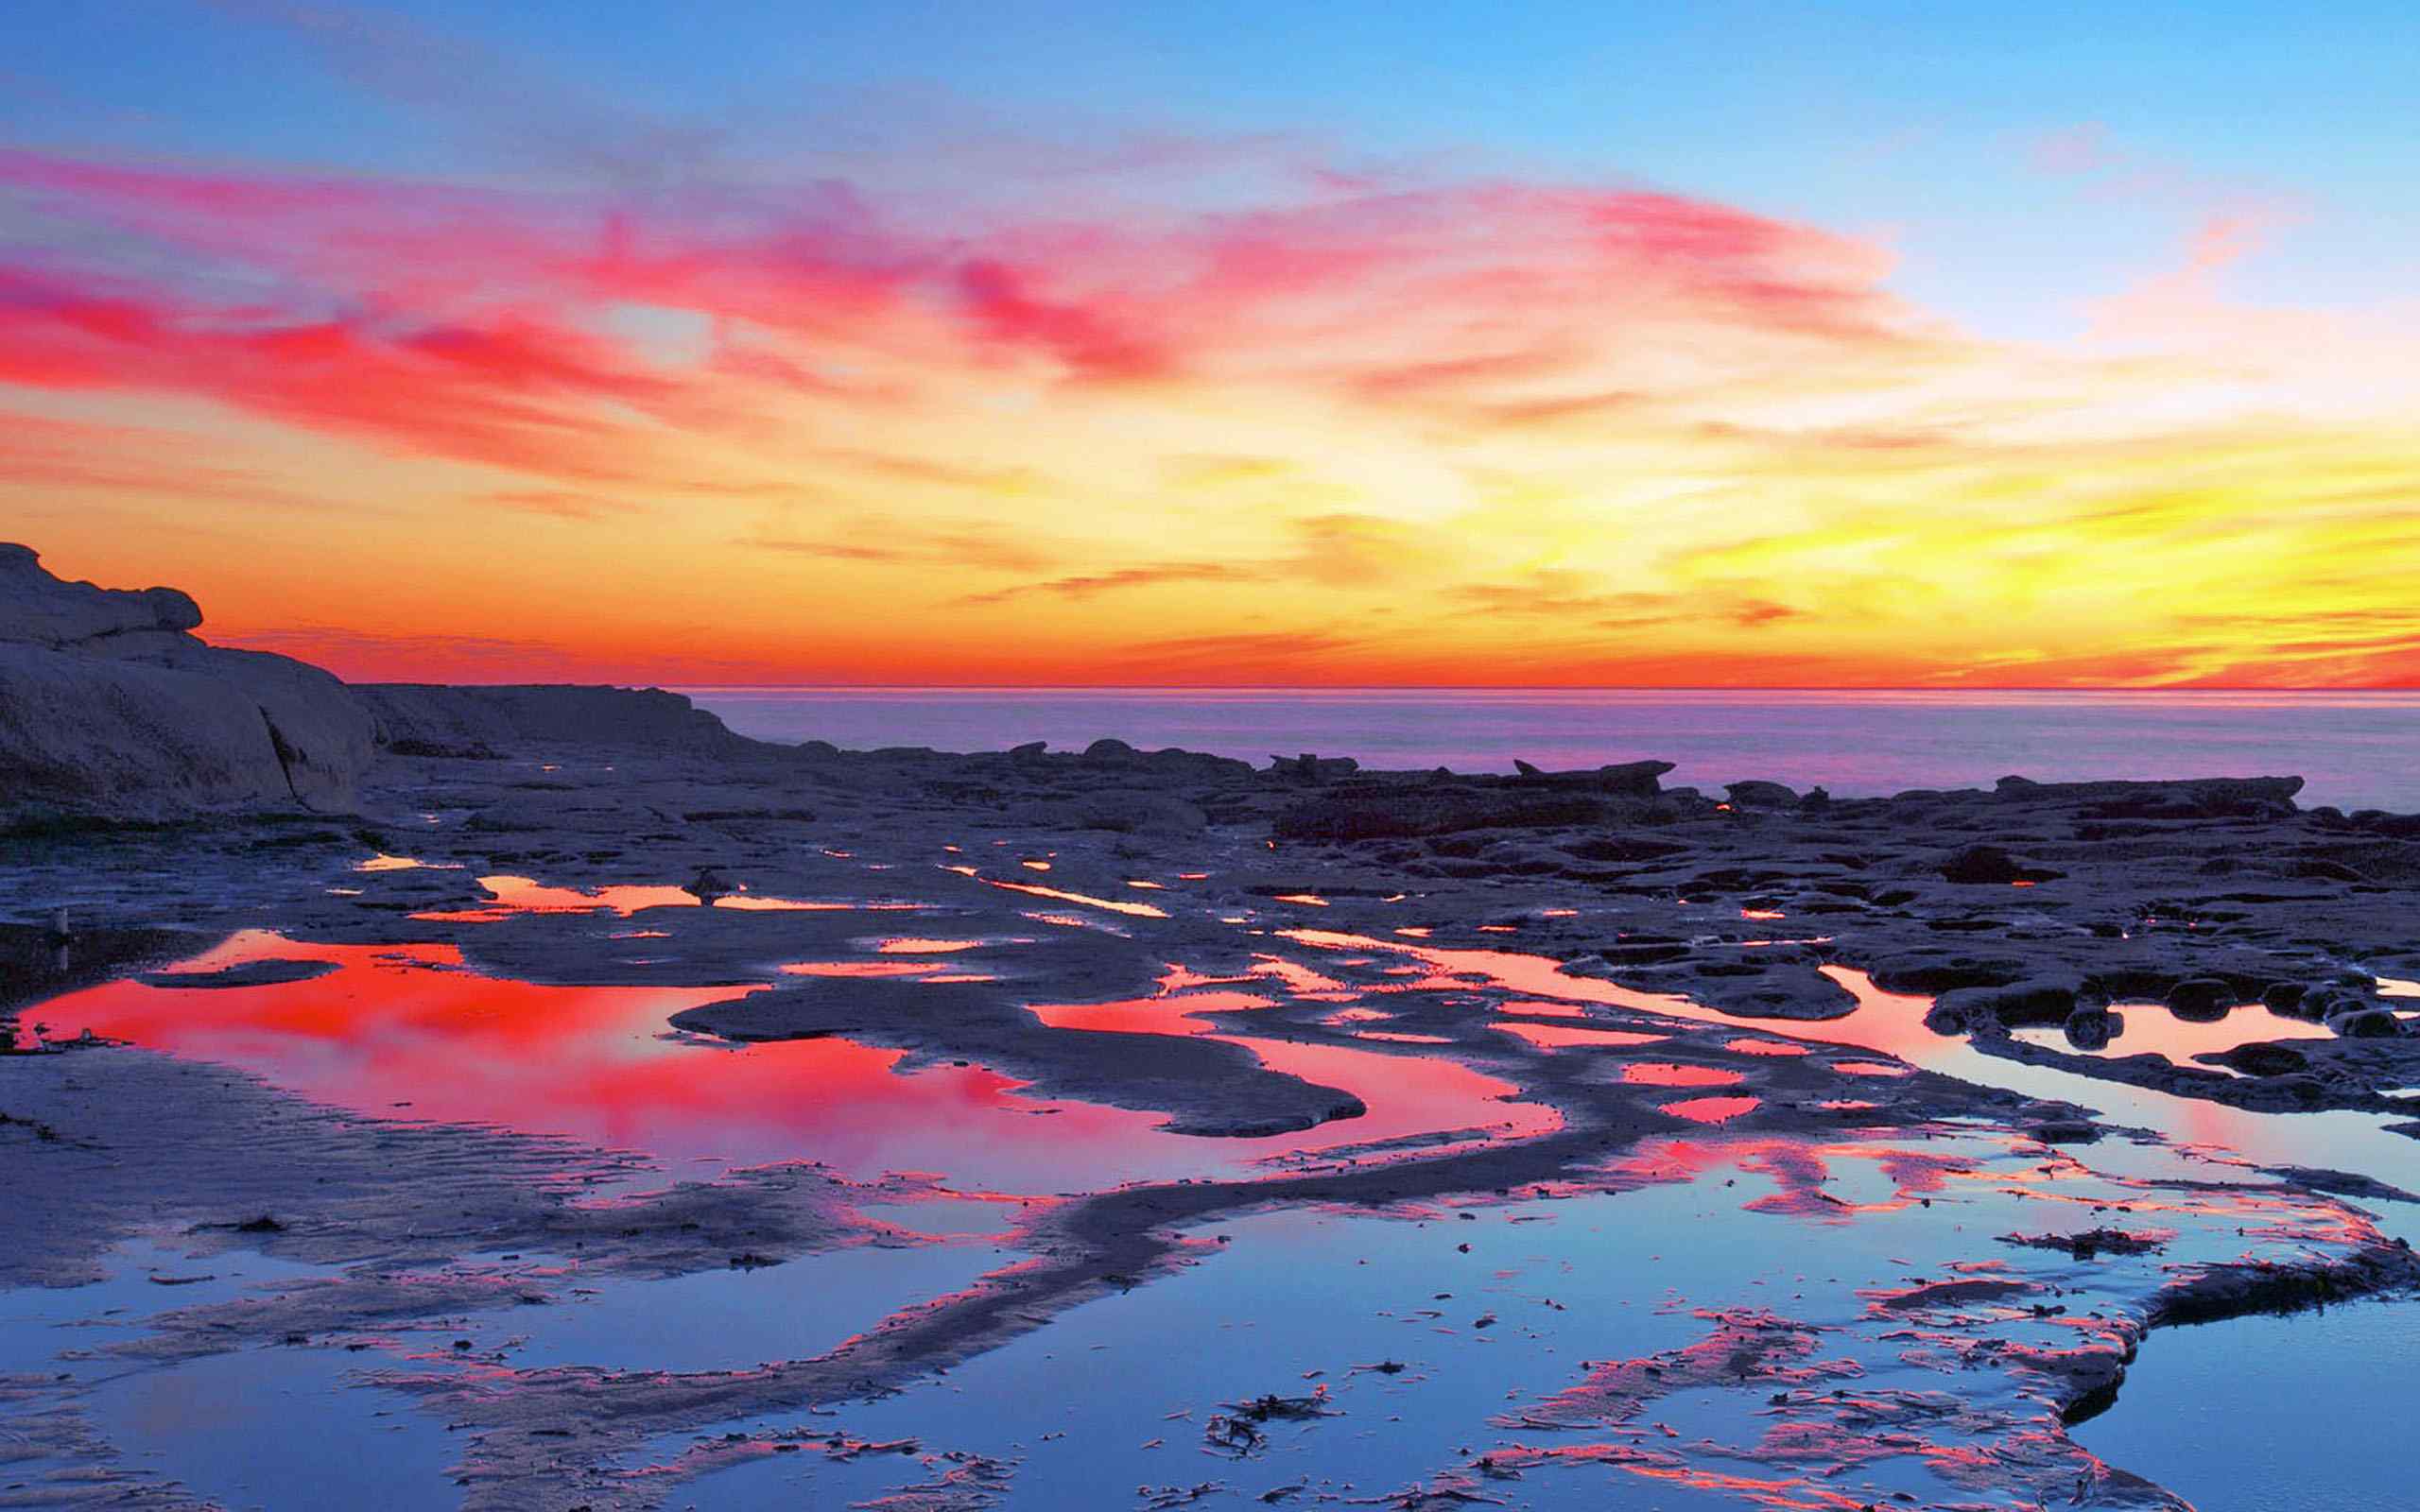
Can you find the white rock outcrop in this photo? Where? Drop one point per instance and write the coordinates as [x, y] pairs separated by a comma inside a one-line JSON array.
[[109, 706]]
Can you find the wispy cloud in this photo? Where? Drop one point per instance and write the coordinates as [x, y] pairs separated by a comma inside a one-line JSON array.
[[1343, 423]]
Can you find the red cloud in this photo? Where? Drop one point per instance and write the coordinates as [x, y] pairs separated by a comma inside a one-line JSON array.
[[509, 391], [1089, 343], [472, 325]]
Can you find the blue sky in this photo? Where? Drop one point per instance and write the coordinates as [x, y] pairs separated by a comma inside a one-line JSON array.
[[1919, 124]]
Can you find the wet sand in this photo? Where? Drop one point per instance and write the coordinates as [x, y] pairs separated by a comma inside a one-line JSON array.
[[1128, 1129]]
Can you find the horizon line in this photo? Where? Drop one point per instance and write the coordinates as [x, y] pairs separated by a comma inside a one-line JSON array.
[[2232, 689]]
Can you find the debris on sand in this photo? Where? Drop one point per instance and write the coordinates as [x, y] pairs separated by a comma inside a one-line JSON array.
[[1238, 1431], [2091, 1244]]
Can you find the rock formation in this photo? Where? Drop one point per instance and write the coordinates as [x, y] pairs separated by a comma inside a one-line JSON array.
[[434, 719], [112, 708], [109, 706]]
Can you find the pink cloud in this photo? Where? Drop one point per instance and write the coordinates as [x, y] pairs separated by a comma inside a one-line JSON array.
[[509, 391], [999, 300], [470, 324]]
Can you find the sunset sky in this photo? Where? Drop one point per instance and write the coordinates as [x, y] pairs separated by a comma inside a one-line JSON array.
[[1344, 344]]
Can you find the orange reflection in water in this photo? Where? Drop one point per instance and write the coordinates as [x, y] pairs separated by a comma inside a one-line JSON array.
[[1404, 1094], [1765, 1047], [1344, 1018], [1152, 1015], [405, 1031], [1536, 1007], [1557, 1035], [1712, 1109], [1674, 1074], [519, 895], [1114, 905], [1301, 980], [1888, 1023], [383, 861], [2151, 1027]]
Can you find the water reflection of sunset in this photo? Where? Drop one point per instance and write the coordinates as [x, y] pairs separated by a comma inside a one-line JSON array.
[[409, 1031], [405, 1031], [519, 895]]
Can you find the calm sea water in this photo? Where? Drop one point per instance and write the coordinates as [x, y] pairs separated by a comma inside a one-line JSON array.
[[2358, 751]]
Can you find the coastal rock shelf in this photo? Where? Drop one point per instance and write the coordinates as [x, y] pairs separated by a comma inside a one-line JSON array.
[[608, 1110]]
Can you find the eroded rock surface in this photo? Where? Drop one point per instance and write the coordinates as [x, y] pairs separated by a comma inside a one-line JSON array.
[[109, 706], [1582, 987]]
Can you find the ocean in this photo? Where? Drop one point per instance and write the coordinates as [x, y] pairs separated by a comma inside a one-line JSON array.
[[2357, 750]]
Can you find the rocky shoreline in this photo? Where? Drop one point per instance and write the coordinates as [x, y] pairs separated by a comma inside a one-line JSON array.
[[1237, 957]]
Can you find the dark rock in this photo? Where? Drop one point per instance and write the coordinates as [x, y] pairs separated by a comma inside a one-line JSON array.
[[2235, 1289], [2022, 1005], [2262, 1059], [1929, 971], [270, 973], [2091, 1027], [424, 716], [2366, 1023], [2345, 1183], [2324, 871], [2067, 1132], [2203, 797], [2202, 998], [2091, 1244], [1760, 794], [1363, 811], [1645, 955], [1635, 778], [1988, 865], [2282, 997], [441, 750], [1310, 768], [1623, 847]]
